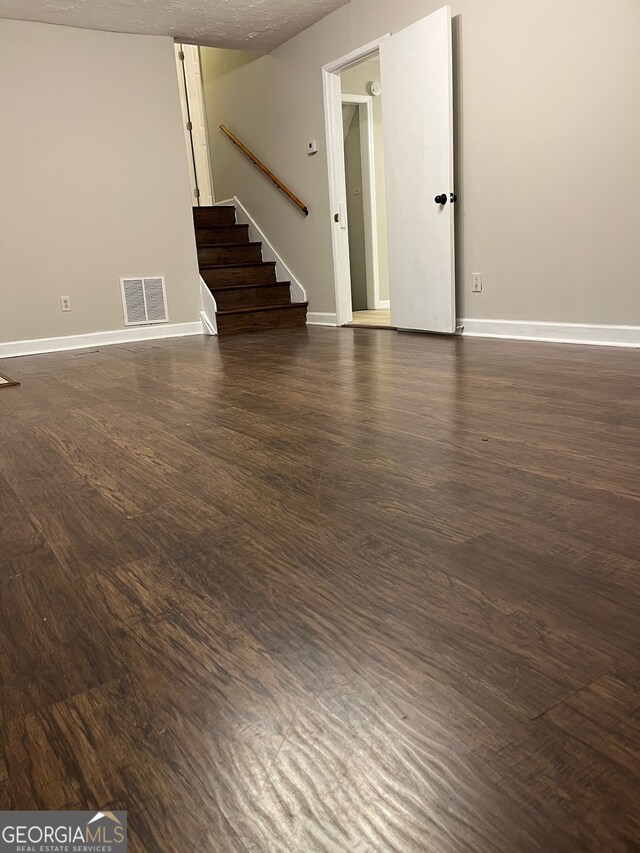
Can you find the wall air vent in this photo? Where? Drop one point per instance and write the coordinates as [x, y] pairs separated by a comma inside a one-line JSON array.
[[144, 300]]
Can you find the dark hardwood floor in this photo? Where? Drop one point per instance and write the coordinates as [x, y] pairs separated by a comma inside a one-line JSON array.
[[322, 590]]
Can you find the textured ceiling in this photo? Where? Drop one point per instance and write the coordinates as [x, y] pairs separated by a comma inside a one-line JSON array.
[[245, 24]]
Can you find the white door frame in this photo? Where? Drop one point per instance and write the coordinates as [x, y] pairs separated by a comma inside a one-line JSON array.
[[194, 113], [337, 178], [364, 104]]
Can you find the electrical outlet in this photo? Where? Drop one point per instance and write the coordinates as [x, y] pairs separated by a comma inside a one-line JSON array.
[[65, 302], [476, 279]]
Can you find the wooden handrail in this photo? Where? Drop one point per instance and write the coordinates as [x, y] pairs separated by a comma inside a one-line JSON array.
[[294, 198]]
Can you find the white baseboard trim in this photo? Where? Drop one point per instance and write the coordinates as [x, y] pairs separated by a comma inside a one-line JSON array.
[[12, 349], [322, 319], [558, 333], [384, 303]]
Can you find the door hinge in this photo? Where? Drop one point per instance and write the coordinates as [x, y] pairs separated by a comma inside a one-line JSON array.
[[189, 125], [181, 55], [196, 192]]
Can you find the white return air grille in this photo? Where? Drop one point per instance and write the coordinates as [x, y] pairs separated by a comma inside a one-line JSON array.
[[144, 300]]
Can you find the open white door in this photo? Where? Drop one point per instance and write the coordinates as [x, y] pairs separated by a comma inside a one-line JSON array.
[[184, 107], [198, 117], [194, 123], [417, 78]]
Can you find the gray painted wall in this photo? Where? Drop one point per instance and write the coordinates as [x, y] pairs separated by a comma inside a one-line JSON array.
[[548, 134], [93, 177]]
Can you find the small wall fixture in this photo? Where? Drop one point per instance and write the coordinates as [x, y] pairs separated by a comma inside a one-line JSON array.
[[374, 88]]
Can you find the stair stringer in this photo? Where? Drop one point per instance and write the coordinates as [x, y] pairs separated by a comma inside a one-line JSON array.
[[257, 235], [209, 310]]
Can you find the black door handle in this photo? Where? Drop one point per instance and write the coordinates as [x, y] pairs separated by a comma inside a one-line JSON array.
[[441, 199], [454, 197]]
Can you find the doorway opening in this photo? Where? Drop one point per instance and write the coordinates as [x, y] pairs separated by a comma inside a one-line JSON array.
[[337, 118], [366, 216], [416, 85], [194, 123]]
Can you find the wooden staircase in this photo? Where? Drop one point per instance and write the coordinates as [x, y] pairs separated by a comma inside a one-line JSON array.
[[247, 293]]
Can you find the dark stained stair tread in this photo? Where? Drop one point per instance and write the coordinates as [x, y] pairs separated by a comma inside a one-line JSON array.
[[203, 210], [290, 306], [237, 264], [230, 253], [225, 244], [252, 295], [212, 216], [249, 297], [216, 234], [243, 264], [262, 318], [231, 274], [250, 284]]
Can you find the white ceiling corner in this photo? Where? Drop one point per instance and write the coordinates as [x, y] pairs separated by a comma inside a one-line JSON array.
[[244, 24]]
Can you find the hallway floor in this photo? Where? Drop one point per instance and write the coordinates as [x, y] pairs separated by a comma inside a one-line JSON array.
[[325, 589], [374, 317]]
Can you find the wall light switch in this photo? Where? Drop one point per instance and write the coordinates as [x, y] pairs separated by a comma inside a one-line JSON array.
[[312, 147]]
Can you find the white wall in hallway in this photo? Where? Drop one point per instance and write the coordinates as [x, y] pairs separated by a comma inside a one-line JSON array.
[[355, 214], [355, 81], [548, 134]]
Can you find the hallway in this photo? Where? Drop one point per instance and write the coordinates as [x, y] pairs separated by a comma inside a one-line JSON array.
[[375, 317]]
